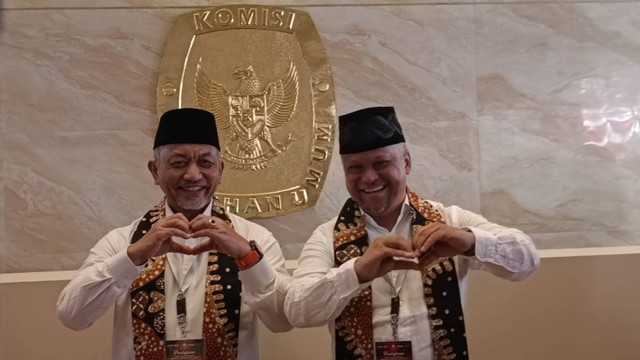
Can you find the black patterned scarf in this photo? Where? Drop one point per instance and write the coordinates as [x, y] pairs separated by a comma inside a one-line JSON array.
[[354, 327], [222, 299]]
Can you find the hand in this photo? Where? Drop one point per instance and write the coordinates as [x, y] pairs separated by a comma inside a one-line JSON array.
[[221, 237], [157, 241], [439, 240], [379, 258]]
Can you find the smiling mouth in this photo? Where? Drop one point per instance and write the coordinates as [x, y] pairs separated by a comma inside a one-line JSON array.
[[373, 190], [192, 188]]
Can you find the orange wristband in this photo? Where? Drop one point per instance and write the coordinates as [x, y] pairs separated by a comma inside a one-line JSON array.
[[251, 258]]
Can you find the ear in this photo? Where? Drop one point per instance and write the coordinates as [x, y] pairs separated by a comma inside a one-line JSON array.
[[221, 169], [153, 169], [407, 162]]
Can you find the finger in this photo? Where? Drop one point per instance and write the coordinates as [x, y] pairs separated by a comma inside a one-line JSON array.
[[176, 223], [208, 233], [405, 265], [419, 237], [198, 218], [424, 233], [167, 233], [391, 252], [178, 217], [204, 246], [208, 222], [397, 242], [179, 248], [182, 217], [428, 258], [433, 237]]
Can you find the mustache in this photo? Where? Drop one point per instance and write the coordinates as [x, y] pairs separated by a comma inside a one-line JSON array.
[[192, 183]]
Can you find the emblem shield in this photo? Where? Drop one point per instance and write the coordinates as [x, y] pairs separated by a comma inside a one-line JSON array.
[[262, 71]]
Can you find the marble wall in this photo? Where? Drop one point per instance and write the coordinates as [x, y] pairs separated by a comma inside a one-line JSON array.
[[526, 112]]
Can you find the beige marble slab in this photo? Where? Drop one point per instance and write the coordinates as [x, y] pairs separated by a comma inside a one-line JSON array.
[[586, 239], [416, 58], [81, 70], [539, 61], [538, 175], [96, 69], [63, 191], [84, 4]]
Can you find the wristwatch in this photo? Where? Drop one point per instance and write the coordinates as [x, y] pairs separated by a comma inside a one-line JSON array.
[[251, 258]]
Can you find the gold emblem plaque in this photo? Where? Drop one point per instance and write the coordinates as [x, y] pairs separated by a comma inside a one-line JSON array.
[[263, 72]]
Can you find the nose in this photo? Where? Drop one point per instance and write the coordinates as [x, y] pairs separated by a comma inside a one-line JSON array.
[[369, 175], [192, 172]]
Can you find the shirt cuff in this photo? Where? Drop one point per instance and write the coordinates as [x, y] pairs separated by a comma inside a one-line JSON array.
[[351, 278], [486, 246], [258, 276], [122, 268]]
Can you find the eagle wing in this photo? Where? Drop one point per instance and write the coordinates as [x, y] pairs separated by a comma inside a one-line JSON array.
[[282, 96], [212, 97]]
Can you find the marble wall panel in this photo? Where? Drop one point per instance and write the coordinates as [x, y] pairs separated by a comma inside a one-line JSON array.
[[81, 70], [539, 61], [84, 4], [418, 58], [558, 101], [539, 175], [65, 190], [585, 239]]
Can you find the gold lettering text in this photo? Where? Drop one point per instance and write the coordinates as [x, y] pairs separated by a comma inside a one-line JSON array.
[[252, 204], [276, 20], [274, 204], [290, 19], [232, 206], [223, 17], [323, 154], [314, 180], [249, 17], [200, 20], [323, 132], [299, 197]]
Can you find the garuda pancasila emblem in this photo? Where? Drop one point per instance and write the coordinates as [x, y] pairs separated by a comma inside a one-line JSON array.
[[250, 114]]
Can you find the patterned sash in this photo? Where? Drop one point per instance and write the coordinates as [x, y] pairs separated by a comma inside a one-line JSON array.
[[222, 299], [354, 327]]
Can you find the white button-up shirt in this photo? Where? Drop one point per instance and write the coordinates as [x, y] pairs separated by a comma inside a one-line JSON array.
[[107, 274], [319, 291]]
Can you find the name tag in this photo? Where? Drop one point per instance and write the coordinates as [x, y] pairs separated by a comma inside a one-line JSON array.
[[185, 350], [393, 350]]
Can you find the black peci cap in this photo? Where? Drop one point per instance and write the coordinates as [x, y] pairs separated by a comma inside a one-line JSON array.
[[187, 126], [369, 129]]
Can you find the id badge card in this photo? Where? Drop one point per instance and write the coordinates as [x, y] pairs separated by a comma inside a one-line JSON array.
[[185, 350], [393, 350]]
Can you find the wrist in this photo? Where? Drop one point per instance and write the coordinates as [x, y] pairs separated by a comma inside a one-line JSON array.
[[243, 250], [135, 258], [357, 267], [471, 250], [252, 257]]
